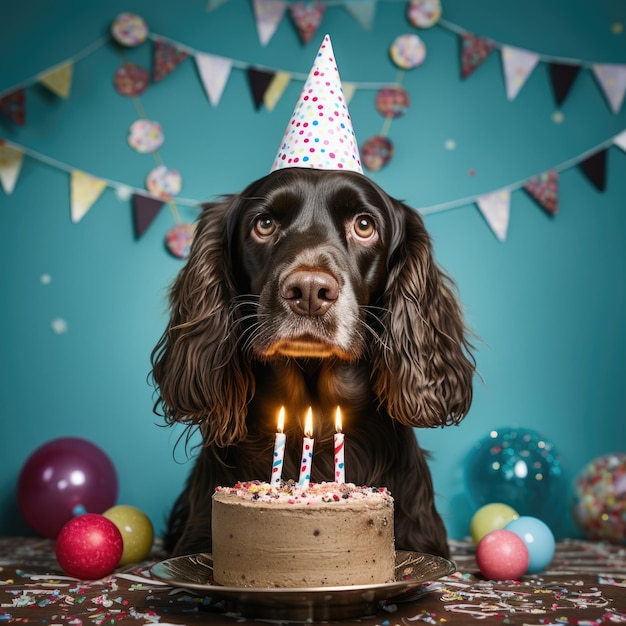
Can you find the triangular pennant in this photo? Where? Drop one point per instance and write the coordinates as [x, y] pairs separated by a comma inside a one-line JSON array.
[[268, 15], [612, 80], [363, 12], [214, 72], [474, 52], [544, 188], [517, 65], [13, 105], [620, 140], [211, 5], [495, 208], [259, 82], [10, 165], [562, 77], [85, 189], [348, 91], [276, 89], [166, 59], [59, 80], [594, 168], [307, 18], [145, 209]]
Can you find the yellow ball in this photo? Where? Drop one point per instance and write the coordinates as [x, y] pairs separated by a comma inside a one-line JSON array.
[[137, 532], [490, 517]]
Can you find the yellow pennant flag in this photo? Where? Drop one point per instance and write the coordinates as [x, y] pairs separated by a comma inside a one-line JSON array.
[[10, 165], [275, 90], [85, 189], [58, 80], [348, 91]]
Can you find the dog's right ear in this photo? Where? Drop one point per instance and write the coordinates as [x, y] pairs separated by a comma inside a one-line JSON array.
[[201, 375]]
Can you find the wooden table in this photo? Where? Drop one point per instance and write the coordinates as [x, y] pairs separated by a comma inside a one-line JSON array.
[[584, 585]]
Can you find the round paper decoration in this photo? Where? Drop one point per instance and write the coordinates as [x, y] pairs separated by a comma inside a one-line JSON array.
[[178, 239], [376, 152], [407, 51], [423, 13], [392, 101], [163, 183], [129, 30], [145, 136], [131, 79]]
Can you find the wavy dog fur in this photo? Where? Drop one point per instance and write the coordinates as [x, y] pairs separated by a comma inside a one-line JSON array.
[[312, 288]]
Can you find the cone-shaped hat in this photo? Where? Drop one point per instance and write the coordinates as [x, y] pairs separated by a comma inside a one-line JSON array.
[[319, 134]]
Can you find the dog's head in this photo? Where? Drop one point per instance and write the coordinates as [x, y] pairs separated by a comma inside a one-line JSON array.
[[311, 264]]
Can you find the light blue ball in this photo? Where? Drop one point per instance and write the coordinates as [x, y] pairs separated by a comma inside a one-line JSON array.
[[538, 539]]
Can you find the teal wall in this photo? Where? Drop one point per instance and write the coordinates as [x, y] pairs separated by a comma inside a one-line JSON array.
[[547, 305]]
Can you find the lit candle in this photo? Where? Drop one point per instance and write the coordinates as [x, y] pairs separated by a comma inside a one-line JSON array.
[[307, 451], [340, 470], [279, 449]]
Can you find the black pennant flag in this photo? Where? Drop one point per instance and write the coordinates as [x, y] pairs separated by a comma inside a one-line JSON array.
[[562, 77], [259, 82], [145, 209], [594, 169]]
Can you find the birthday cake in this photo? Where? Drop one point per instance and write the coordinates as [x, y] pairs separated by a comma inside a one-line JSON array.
[[328, 534]]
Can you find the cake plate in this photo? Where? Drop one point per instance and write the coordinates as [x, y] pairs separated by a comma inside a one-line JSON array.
[[413, 570]]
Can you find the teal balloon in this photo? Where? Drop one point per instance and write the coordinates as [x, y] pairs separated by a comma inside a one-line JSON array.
[[521, 468]]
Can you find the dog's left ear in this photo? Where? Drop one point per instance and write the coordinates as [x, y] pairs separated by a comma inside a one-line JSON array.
[[423, 368]]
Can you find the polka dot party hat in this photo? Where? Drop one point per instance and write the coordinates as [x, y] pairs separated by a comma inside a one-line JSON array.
[[319, 134]]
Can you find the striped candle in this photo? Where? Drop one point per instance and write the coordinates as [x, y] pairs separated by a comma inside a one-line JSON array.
[[279, 449], [307, 451], [340, 470]]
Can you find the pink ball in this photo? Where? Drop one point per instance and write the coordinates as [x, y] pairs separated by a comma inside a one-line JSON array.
[[89, 546], [502, 555]]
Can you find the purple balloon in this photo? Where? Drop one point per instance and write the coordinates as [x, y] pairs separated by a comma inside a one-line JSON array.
[[63, 478]]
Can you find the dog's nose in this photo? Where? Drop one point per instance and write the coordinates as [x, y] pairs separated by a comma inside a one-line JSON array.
[[310, 292]]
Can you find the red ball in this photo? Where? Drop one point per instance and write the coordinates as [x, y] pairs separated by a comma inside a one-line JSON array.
[[502, 555], [89, 546]]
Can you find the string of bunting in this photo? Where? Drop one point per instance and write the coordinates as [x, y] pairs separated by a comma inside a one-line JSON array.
[[267, 86]]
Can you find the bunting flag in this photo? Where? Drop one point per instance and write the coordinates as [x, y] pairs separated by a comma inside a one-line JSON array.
[[348, 91], [10, 165], [495, 208], [276, 88], [166, 58], [594, 168], [85, 189], [13, 105], [211, 5], [545, 190], [259, 81], [268, 15], [363, 11], [58, 80], [214, 72], [612, 80], [517, 65], [620, 140], [145, 209], [474, 52], [562, 76], [307, 18]]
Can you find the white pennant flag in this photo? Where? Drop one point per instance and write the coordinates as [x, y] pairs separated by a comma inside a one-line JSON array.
[[495, 208], [620, 140], [214, 72], [517, 65], [612, 80], [268, 14], [10, 165], [363, 12]]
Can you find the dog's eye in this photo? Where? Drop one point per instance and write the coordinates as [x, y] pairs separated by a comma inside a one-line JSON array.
[[364, 227], [264, 226]]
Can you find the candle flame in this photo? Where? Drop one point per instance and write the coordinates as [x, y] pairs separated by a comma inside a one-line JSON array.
[[281, 419], [308, 423], [338, 424]]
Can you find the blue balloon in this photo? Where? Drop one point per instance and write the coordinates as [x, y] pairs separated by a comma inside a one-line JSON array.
[[518, 467], [538, 539]]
